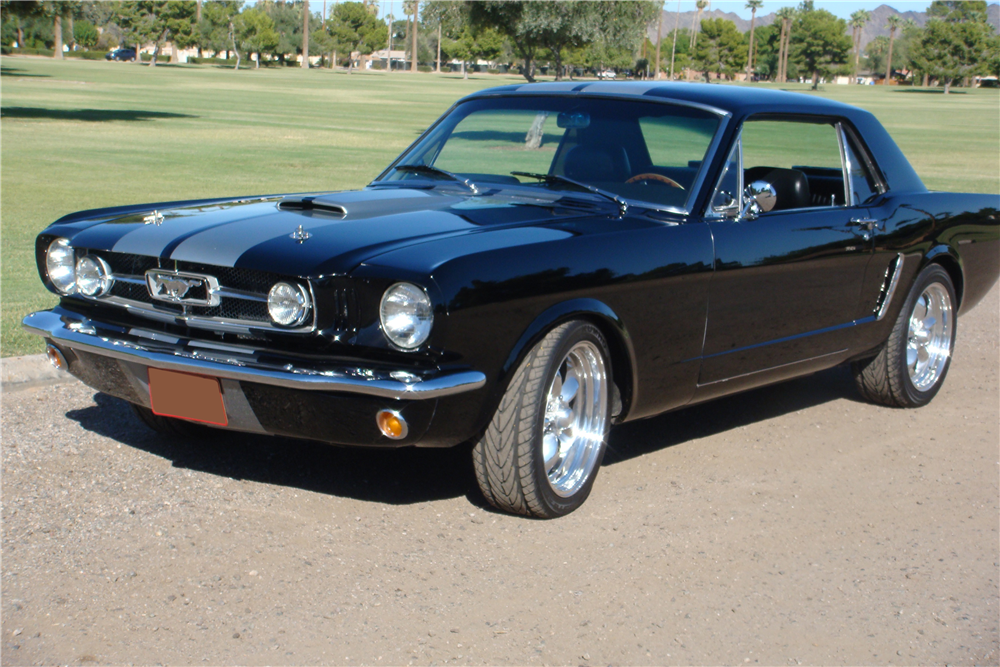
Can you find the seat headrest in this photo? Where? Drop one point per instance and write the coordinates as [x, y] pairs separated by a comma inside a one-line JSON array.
[[597, 163], [791, 186]]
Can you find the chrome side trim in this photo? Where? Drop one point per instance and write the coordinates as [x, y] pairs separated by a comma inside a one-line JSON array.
[[71, 330], [892, 276]]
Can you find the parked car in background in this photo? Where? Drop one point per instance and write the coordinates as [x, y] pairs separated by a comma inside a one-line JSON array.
[[544, 262], [121, 54], [607, 74]]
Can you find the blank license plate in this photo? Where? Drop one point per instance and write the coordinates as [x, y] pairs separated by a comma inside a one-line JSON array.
[[194, 397]]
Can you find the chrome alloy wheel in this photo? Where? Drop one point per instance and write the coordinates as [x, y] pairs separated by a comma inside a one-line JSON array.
[[576, 412], [928, 342]]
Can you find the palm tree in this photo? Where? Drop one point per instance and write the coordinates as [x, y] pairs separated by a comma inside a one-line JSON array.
[[786, 14], [696, 26], [753, 6], [858, 21], [659, 35], [894, 22]]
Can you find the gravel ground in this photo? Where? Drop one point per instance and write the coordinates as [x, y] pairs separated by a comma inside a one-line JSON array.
[[788, 525]]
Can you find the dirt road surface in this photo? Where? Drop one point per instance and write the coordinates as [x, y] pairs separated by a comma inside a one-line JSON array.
[[789, 525]]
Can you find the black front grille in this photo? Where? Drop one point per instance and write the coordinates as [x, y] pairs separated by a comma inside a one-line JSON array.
[[232, 308]]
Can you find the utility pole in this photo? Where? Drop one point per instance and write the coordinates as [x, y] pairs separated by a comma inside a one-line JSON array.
[[673, 49]]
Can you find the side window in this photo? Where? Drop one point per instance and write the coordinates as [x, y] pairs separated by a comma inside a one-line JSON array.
[[863, 184], [801, 160]]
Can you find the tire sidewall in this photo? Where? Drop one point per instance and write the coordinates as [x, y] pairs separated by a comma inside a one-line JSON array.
[[555, 504], [929, 275]]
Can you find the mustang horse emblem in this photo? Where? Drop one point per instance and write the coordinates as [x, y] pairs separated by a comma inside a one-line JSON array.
[[174, 287]]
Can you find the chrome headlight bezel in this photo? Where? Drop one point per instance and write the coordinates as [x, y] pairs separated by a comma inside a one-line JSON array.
[[288, 304], [60, 266], [406, 315], [93, 276]]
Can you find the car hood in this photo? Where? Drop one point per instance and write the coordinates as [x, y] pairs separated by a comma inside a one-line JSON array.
[[309, 235]]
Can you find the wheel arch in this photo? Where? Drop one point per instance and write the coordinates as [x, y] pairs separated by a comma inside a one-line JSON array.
[[623, 369], [950, 261]]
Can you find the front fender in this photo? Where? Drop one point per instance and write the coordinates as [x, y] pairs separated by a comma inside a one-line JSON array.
[[620, 345]]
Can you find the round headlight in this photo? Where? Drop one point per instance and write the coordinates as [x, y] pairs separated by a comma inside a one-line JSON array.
[[288, 304], [406, 315], [59, 264], [93, 276]]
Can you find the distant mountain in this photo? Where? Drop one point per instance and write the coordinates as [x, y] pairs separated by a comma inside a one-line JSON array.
[[875, 27]]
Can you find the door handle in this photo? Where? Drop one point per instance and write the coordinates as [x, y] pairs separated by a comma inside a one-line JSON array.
[[866, 224]]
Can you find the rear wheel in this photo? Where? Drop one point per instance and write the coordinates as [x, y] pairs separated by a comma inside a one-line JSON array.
[[910, 368], [177, 428], [544, 446]]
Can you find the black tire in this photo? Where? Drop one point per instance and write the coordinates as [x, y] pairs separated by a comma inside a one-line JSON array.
[[885, 377], [177, 428], [508, 459]]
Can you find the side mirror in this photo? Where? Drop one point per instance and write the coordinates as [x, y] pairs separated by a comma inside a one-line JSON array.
[[758, 197]]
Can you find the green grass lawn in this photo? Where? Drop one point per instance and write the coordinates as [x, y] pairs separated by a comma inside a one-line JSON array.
[[78, 135]]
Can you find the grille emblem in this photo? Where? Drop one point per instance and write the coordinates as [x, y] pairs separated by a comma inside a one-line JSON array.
[[191, 289], [154, 218]]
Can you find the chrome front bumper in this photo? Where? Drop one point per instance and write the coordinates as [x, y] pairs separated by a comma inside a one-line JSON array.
[[69, 330]]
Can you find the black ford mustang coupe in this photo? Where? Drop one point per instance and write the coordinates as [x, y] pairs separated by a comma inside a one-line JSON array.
[[543, 262]]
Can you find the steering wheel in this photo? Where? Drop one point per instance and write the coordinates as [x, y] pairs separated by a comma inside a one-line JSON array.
[[655, 177]]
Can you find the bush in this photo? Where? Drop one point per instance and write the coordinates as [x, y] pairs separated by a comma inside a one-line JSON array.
[[87, 55], [424, 68], [211, 61], [32, 52]]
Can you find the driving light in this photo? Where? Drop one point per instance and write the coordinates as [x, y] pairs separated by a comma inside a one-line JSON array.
[[406, 315], [93, 276], [288, 304], [59, 265], [392, 424]]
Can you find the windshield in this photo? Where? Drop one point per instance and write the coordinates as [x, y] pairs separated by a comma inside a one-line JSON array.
[[640, 151]]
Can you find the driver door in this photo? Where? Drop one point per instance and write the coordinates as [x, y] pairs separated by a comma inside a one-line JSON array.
[[786, 288]]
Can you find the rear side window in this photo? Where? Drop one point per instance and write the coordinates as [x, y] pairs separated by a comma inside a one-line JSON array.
[[863, 184]]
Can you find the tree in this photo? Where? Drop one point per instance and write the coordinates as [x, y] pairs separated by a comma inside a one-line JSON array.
[[786, 15], [305, 34], [254, 33], [957, 11], [893, 22], [753, 6], [954, 50], [156, 21], [535, 27], [85, 34], [696, 25], [859, 20], [215, 30], [820, 42], [354, 28], [876, 52], [720, 48]]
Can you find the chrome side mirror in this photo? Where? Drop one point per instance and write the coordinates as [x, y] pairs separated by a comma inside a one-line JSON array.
[[758, 197]]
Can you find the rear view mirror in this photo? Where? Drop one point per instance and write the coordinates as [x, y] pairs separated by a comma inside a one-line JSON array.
[[573, 120]]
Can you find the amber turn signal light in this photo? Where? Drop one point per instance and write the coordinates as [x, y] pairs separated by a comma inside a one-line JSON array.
[[56, 358], [392, 424]]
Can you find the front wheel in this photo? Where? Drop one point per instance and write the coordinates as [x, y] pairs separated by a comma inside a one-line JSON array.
[[911, 366], [543, 448]]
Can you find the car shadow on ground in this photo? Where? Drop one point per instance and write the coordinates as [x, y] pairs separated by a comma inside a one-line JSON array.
[[394, 476], [706, 419], [90, 115], [410, 475]]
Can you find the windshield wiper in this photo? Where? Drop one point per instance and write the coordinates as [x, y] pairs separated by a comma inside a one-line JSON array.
[[556, 178], [434, 171]]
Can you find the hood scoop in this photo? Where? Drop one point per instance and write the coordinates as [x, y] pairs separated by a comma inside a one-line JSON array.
[[310, 203]]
